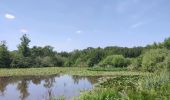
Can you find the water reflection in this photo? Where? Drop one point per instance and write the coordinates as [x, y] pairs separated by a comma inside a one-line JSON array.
[[43, 87]]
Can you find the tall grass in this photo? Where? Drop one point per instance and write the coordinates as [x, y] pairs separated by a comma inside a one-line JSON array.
[[151, 87]]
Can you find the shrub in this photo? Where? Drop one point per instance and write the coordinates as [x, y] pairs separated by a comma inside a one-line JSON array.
[[167, 43], [22, 62], [153, 60], [95, 58], [136, 63], [46, 62], [5, 59], [168, 63], [80, 63], [58, 61], [115, 61]]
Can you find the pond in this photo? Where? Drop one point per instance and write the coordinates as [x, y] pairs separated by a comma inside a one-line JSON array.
[[43, 87]]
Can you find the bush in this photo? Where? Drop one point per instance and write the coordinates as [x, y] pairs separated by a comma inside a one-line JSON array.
[[46, 62], [153, 60], [5, 59], [52, 61], [115, 61], [58, 61], [22, 62], [136, 64], [80, 63], [95, 58], [168, 63], [167, 43]]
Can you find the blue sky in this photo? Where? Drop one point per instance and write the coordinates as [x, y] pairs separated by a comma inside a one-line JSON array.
[[77, 24]]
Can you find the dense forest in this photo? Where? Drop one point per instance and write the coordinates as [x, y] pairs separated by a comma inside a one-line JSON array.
[[111, 56]]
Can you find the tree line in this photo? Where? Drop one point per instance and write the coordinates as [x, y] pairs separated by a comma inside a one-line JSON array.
[[25, 57]]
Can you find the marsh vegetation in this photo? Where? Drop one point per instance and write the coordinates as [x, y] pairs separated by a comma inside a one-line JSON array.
[[139, 73]]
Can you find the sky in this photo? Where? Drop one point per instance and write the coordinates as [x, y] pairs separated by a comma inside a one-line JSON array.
[[77, 24]]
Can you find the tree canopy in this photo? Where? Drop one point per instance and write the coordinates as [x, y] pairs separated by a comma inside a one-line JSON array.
[[46, 56]]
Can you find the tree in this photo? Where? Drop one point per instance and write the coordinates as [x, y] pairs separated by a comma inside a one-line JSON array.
[[23, 57], [136, 63], [168, 62], [36, 52], [96, 58], [153, 60], [4, 55], [24, 46], [115, 61], [48, 51], [167, 43]]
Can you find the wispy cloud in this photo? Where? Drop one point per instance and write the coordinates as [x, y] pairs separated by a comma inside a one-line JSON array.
[[137, 25], [23, 30], [9, 16], [79, 32]]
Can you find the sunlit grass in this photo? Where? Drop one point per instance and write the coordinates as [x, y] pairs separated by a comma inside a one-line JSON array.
[[150, 87], [63, 70]]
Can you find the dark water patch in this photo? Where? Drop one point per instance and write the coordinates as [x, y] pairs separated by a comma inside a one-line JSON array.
[[44, 87]]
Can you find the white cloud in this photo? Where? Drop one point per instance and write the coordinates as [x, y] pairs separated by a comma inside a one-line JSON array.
[[79, 32], [137, 25], [9, 16], [23, 30]]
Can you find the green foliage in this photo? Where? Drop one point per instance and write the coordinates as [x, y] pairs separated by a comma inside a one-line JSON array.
[[136, 64], [46, 61], [68, 63], [49, 61], [5, 58], [115, 61], [153, 60], [116, 88], [167, 43], [22, 62], [81, 71], [154, 82], [23, 48], [58, 61], [80, 63], [100, 94], [37, 52], [98, 68], [126, 52], [90, 57], [96, 58], [59, 98], [153, 87], [168, 63]]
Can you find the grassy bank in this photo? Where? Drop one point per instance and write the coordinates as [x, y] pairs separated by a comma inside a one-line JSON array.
[[152, 87], [64, 70]]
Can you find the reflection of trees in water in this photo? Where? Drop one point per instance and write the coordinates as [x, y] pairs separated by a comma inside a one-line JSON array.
[[91, 79], [3, 85], [76, 79], [23, 89], [49, 95], [48, 82], [23, 83], [36, 81]]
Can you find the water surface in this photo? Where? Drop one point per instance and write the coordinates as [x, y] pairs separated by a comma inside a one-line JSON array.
[[43, 87]]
